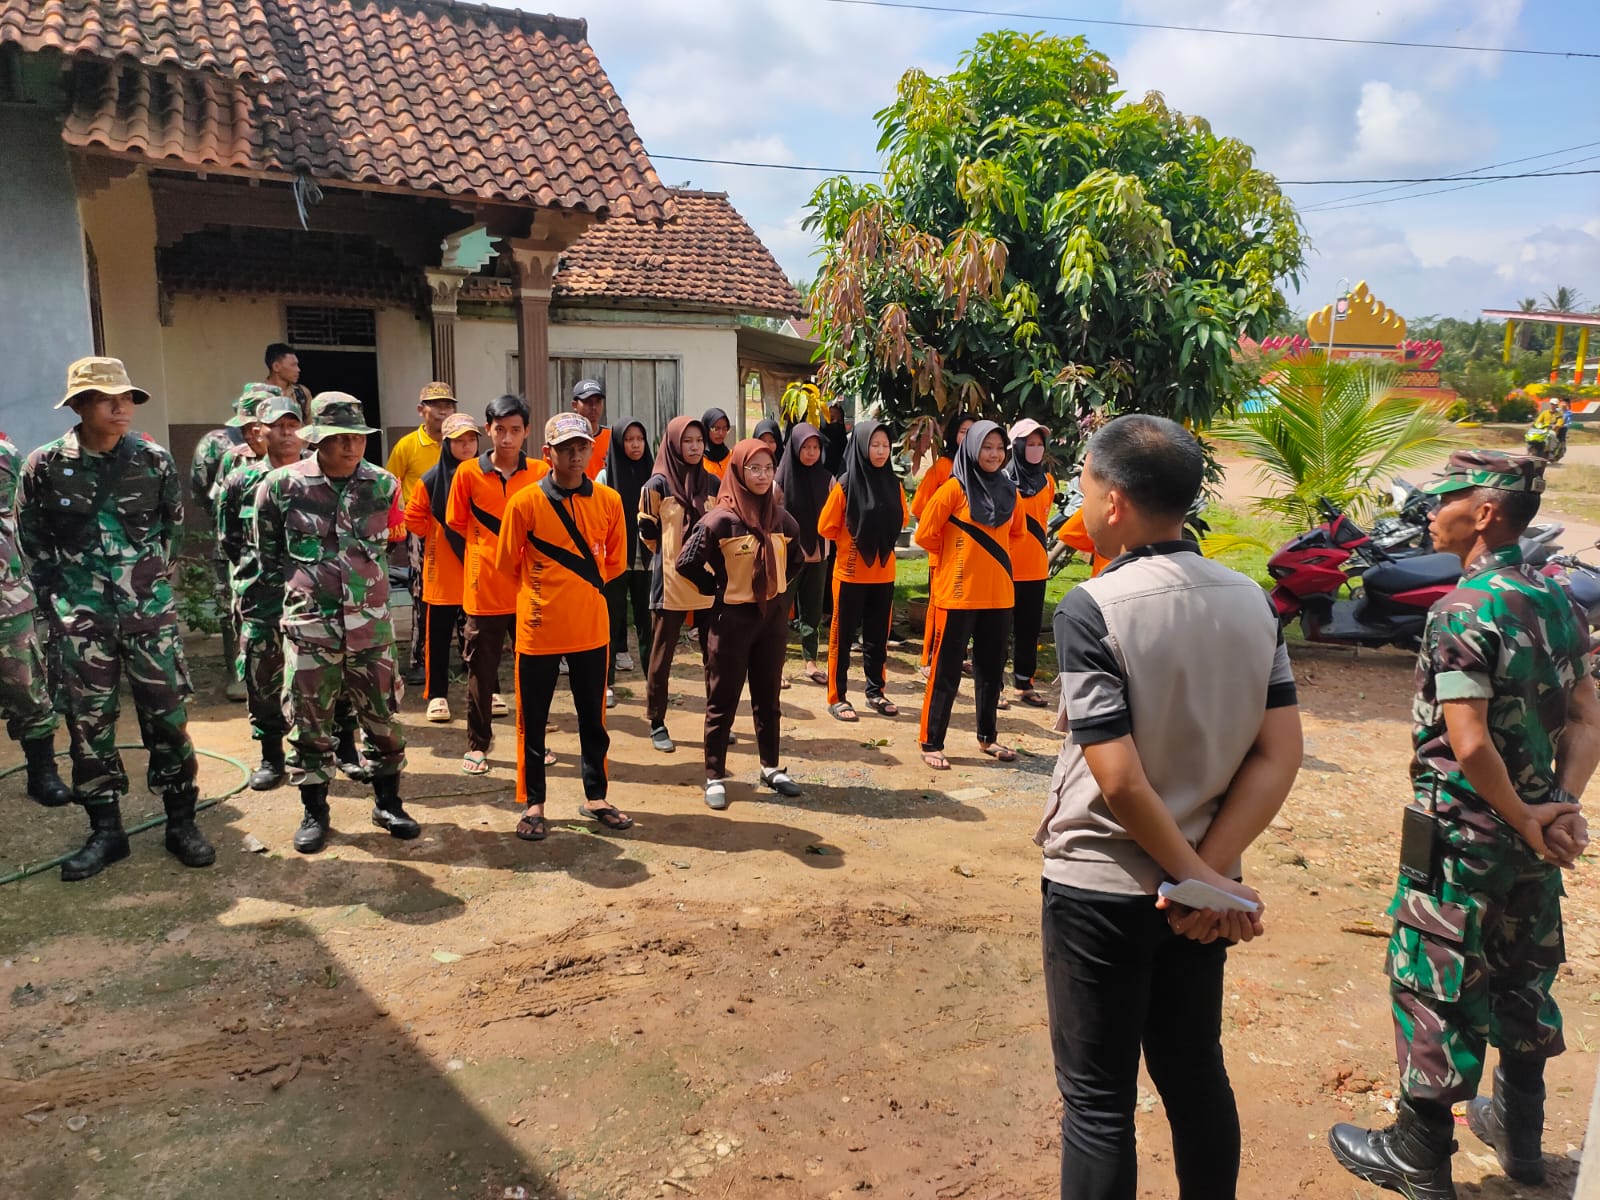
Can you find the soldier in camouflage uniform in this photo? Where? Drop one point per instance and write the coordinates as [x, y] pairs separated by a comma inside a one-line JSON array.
[[24, 697], [100, 509], [1507, 734], [323, 526], [209, 452]]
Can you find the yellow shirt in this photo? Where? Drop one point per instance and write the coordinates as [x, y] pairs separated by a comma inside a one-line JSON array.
[[413, 456]]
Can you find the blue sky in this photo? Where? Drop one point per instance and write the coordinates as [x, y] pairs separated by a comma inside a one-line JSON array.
[[798, 81]]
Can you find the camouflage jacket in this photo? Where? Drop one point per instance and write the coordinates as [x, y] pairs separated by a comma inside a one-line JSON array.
[[16, 587], [232, 459], [257, 595], [329, 544], [108, 572], [208, 454], [1510, 636]]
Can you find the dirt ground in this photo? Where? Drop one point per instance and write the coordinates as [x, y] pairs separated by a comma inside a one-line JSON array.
[[823, 997]]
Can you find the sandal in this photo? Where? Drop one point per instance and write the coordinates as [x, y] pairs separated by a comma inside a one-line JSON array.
[[609, 816], [816, 675], [532, 827], [475, 762], [883, 706], [1002, 703], [1032, 697], [936, 760], [549, 757], [998, 752], [843, 711], [783, 683]]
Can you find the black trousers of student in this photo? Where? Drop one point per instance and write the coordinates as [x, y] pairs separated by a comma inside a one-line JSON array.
[[665, 625], [805, 598], [629, 588], [744, 643], [486, 643], [866, 607], [537, 675], [419, 606], [1118, 981], [1027, 617], [986, 629], [441, 627]]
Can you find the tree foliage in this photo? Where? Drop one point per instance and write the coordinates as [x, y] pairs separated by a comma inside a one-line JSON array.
[[1039, 247], [1334, 430]]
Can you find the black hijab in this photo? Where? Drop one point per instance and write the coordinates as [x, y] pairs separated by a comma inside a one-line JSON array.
[[834, 436], [991, 495], [628, 476], [1030, 478], [714, 452], [437, 480], [805, 489], [768, 425], [873, 499], [951, 429]]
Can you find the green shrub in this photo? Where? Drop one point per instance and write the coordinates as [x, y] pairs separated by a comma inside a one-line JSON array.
[[1516, 410]]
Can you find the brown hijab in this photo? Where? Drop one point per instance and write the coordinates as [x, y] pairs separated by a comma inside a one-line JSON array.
[[690, 486], [761, 515]]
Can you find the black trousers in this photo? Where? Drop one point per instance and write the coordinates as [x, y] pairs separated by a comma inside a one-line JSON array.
[[629, 588], [665, 625], [419, 606], [1026, 619], [805, 597], [866, 607], [743, 643], [486, 642], [537, 675], [441, 627], [1117, 981], [953, 628]]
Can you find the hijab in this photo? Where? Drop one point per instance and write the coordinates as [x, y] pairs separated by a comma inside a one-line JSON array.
[[628, 476], [951, 429], [805, 489], [834, 436], [761, 515], [768, 425], [1030, 478], [715, 453], [991, 495], [690, 486], [437, 480], [873, 500]]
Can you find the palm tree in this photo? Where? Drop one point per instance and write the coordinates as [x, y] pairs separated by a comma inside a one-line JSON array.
[[1564, 299], [1336, 431], [1525, 330]]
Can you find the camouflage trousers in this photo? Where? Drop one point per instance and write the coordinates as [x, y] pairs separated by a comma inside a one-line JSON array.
[[92, 668], [24, 690], [261, 665], [229, 618], [1472, 964], [316, 682]]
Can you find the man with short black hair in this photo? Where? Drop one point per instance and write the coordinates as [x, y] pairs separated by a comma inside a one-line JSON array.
[[589, 402], [283, 373], [1180, 749]]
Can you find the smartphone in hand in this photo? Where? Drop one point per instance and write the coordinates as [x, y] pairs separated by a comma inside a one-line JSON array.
[[1193, 894]]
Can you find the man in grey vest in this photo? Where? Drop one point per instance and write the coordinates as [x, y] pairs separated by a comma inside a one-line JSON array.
[[1183, 738]]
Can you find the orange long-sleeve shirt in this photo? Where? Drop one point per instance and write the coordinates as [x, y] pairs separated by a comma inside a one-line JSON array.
[[849, 566], [597, 456], [1030, 550], [443, 572], [478, 499], [561, 606], [717, 468], [1073, 533], [932, 481], [968, 573]]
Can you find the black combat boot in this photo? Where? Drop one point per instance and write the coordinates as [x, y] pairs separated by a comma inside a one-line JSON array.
[[349, 759], [313, 832], [270, 773], [1513, 1123], [1411, 1156], [185, 842], [45, 785], [387, 812], [107, 842]]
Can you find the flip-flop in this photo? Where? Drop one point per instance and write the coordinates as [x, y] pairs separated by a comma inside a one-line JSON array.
[[474, 762], [533, 827], [843, 711], [817, 676], [998, 752], [1002, 704], [549, 757], [1033, 698], [935, 760], [609, 816]]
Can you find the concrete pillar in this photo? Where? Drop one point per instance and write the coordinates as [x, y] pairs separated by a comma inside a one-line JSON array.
[[444, 287], [536, 269]]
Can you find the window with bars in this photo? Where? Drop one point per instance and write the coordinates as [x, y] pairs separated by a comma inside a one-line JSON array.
[[331, 327]]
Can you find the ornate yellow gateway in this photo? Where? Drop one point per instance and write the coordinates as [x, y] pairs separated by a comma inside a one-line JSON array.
[[1582, 322]]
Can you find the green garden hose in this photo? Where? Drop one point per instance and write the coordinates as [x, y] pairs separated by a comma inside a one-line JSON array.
[[147, 823]]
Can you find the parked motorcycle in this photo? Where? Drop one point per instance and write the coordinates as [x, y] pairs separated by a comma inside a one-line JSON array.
[[1404, 534], [1070, 499]]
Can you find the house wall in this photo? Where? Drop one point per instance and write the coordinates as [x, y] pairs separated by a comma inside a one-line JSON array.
[[44, 290]]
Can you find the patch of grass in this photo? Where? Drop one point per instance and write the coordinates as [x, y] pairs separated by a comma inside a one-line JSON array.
[[1266, 529]]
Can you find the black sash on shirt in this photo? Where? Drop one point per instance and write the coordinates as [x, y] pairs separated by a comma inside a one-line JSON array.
[[581, 564], [988, 543]]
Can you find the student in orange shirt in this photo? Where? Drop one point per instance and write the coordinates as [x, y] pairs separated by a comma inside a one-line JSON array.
[[1073, 533], [589, 402], [864, 514], [955, 432], [561, 540], [971, 522], [672, 502], [479, 493], [1030, 553], [443, 556], [715, 423], [739, 555], [803, 484]]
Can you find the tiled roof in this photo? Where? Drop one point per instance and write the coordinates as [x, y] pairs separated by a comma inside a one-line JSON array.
[[708, 258], [429, 95]]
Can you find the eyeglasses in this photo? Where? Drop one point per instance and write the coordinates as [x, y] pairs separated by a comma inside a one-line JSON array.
[[758, 469]]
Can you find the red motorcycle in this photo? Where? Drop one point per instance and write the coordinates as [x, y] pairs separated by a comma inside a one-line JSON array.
[[1346, 592]]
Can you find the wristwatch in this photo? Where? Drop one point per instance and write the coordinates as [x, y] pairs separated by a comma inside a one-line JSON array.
[[1562, 796]]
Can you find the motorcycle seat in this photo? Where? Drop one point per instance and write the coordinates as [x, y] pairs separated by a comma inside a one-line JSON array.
[[1407, 574]]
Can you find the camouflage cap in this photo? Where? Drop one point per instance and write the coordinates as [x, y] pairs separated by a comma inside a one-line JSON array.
[[436, 391], [104, 376], [457, 425], [333, 413], [273, 409], [1489, 469], [249, 401], [564, 427]]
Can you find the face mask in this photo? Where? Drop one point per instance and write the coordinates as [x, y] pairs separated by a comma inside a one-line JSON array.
[[1034, 454]]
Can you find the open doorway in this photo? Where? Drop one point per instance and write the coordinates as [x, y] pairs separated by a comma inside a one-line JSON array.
[[338, 351]]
